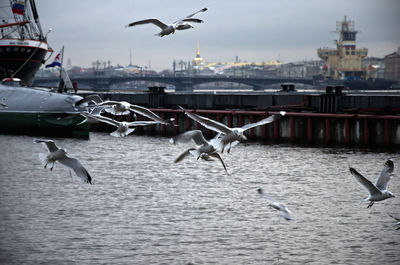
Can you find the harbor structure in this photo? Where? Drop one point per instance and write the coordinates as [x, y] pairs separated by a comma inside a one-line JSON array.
[[330, 118]]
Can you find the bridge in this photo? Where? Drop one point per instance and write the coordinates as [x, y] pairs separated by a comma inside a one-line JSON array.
[[181, 83]]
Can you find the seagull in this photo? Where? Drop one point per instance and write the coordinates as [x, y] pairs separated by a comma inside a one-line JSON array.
[[377, 191], [124, 108], [60, 155], [3, 105], [204, 149], [123, 127], [230, 135], [398, 222], [286, 213], [167, 29]]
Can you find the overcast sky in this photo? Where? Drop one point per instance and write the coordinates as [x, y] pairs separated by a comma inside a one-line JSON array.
[[253, 30]]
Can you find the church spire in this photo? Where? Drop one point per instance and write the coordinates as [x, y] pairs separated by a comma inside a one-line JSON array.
[[198, 60]]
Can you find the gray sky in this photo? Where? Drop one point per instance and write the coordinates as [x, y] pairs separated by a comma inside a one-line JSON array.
[[253, 30]]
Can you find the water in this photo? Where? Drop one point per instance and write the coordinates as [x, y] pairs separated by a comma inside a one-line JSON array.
[[144, 209]]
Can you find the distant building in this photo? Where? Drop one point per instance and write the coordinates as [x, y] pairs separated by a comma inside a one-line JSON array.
[[392, 65], [304, 69]]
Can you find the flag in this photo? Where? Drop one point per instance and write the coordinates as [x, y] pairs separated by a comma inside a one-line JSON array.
[[57, 60], [18, 8]]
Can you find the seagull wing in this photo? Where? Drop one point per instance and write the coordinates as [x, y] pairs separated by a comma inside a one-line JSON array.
[[365, 183], [195, 135], [147, 113], [142, 123], [275, 204], [51, 146], [183, 155], [220, 159], [196, 20], [195, 13], [264, 121], [102, 119], [386, 174], [397, 219], [285, 212], [108, 103], [91, 98], [261, 191], [77, 167], [208, 123], [154, 21]]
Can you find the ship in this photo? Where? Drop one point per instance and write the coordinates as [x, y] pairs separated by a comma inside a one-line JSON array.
[[24, 109], [343, 64], [23, 46]]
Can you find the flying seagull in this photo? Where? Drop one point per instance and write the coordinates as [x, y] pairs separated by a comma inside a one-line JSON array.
[[286, 213], [3, 105], [167, 29], [124, 108], [398, 222], [123, 128], [377, 191], [230, 135], [60, 155], [204, 149]]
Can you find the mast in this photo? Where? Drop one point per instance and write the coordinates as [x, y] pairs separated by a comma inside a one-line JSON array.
[[36, 18], [62, 59]]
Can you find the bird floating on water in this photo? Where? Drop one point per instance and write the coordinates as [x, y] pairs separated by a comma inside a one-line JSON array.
[[167, 29], [60, 155], [204, 149], [376, 191], [230, 135], [286, 213]]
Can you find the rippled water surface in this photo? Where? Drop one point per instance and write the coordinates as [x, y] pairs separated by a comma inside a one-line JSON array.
[[144, 209]]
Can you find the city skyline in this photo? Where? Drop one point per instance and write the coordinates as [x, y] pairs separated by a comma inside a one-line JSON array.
[[255, 31]]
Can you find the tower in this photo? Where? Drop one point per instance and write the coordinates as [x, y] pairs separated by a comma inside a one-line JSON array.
[[198, 60]]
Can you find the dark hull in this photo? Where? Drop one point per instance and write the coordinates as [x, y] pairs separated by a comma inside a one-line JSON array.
[[21, 60], [36, 111]]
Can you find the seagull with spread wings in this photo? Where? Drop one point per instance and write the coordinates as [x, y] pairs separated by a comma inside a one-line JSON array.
[[167, 29], [230, 135], [376, 191], [123, 127], [286, 213], [124, 108], [60, 155], [204, 149]]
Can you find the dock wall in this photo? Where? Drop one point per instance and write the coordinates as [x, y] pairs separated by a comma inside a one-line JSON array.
[[319, 120], [351, 130]]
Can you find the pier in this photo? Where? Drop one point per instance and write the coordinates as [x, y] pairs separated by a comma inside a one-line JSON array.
[[330, 118]]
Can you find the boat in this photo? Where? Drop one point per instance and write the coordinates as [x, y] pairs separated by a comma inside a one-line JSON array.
[[343, 64], [23, 46], [39, 111], [25, 109]]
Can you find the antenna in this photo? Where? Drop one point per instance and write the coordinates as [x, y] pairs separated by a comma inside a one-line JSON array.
[[130, 57]]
